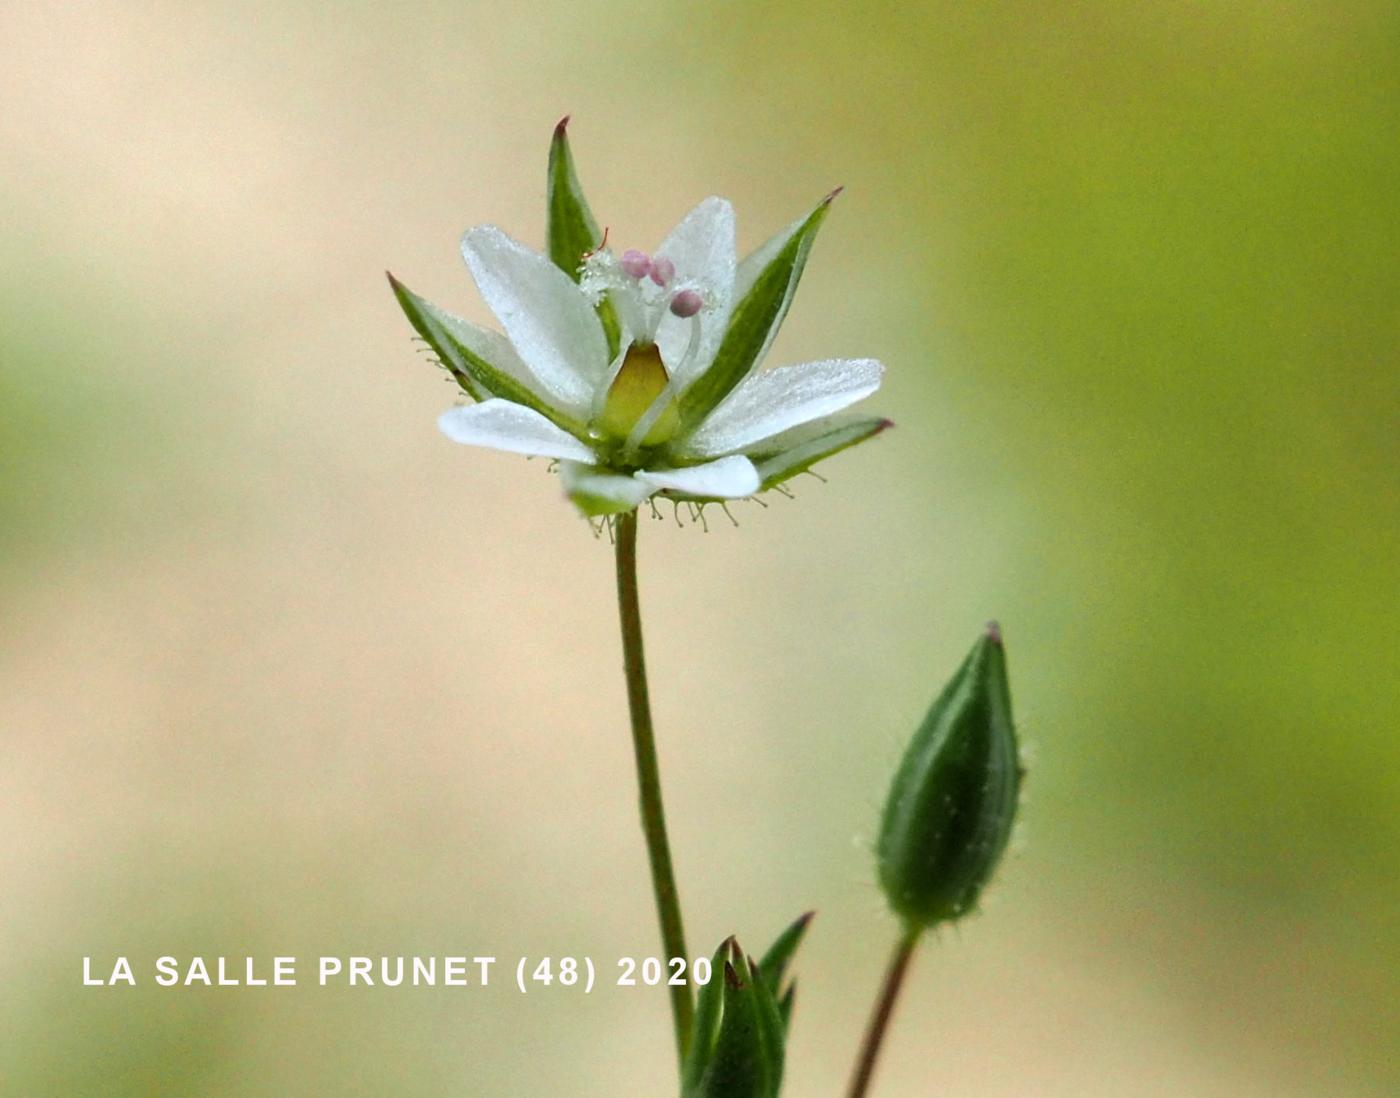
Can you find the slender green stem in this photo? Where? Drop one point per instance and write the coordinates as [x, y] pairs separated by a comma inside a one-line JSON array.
[[663, 877], [884, 1008]]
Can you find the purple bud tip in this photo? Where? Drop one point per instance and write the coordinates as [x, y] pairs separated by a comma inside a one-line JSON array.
[[562, 126], [829, 198], [994, 632], [686, 303], [635, 263], [662, 270]]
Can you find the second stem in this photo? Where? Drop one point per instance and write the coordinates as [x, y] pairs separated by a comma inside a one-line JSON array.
[[884, 1010], [663, 877]]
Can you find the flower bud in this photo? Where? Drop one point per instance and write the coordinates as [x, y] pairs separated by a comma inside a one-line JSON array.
[[954, 797], [740, 1030]]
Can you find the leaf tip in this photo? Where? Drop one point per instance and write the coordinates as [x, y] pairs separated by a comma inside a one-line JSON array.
[[993, 632], [561, 126], [830, 198]]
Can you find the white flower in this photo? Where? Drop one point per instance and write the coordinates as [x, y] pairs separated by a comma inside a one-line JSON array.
[[637, 372]]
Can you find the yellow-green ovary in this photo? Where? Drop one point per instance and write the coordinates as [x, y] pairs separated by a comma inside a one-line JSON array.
[[641, 380]]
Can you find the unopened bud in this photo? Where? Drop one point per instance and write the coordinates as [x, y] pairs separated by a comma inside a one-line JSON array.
[[953, 801], [737, 1045]]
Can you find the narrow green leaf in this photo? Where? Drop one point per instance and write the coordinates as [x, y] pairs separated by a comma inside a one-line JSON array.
[[572, 230], [772, 1030], [785, 1005], [754, 322], [447, 336], [839, 434], [706, 1024], [775, 962], [737, 1064], [742, 1063]]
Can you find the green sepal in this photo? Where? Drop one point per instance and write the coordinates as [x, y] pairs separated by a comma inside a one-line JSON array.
[[597, 493], [737, 1044], [839, 434], [591, 505], [777, 462], [478, 378], [431, 324], [953, 801], [572, 231], [754, 321]]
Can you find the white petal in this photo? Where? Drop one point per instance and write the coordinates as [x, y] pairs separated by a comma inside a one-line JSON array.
[[772, 401], [702, 248], [727, 478], [702, 245], [545, 314], [503, 425], [602, 493]]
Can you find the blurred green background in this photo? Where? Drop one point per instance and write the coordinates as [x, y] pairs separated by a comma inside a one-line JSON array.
[[283, 671]]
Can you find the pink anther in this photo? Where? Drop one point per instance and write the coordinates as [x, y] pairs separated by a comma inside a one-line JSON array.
[[686, 303], [662, 270], [635, 263]]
